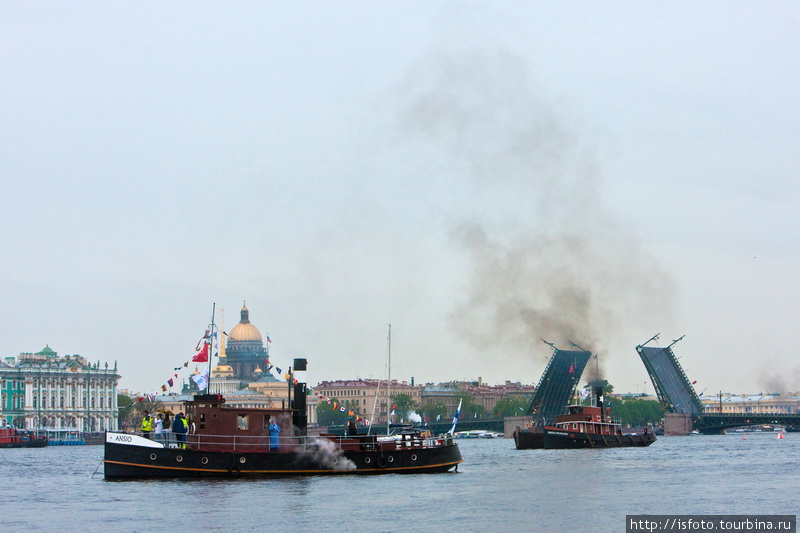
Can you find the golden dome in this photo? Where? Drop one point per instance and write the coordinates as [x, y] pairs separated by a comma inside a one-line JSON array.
[[244, 330], [257, 371]]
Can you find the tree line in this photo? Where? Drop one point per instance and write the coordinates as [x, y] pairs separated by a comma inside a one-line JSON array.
[[634, 412]]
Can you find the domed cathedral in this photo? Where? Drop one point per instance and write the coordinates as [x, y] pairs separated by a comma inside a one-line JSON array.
[[244, 353]]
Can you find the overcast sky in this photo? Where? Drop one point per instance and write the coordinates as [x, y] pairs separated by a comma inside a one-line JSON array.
[[479, 175]]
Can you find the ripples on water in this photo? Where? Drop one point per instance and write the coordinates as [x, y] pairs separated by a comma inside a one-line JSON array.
[[497, 488]]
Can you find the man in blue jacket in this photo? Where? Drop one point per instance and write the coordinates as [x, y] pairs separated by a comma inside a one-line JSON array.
[[180, 426]]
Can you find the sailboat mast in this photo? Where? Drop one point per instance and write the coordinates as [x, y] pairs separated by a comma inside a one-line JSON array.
[[389, 385], [211, 347]]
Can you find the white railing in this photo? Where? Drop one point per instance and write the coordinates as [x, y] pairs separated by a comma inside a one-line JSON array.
[[264, 442]]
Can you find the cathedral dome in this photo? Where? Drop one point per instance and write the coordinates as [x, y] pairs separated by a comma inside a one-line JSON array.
[[244, 330]]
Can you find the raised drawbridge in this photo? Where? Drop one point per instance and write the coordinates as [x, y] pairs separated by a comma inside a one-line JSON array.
[[557, 384], [675, 392]]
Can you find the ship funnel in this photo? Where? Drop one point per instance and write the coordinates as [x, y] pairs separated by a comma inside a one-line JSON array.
[[598, 393], [300, 414]]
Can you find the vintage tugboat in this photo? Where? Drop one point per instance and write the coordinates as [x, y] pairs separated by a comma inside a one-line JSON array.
[[236, 442], [15, 438], [581, 427]]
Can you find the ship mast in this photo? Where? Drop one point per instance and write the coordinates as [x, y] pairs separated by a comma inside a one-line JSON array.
[[389, 385], [211, 347]]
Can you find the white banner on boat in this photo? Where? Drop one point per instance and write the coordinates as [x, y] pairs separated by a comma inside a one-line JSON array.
[[133, 440]]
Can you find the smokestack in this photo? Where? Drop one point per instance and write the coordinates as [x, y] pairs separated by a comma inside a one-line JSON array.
[[299, 415], [598, 391]]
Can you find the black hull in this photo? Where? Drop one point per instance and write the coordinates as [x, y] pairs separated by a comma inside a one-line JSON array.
[[33, 443], [138, 462], [565, 440], [528, 440]]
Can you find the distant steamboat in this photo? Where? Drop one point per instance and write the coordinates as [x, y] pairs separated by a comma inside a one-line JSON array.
[[582, 427], [14, 438]]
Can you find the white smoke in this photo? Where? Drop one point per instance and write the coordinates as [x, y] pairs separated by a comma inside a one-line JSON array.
[[328, 455], [414, 417]]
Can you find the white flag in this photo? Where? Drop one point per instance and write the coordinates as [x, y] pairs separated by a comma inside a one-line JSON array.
[[455, 418], [201, 380]]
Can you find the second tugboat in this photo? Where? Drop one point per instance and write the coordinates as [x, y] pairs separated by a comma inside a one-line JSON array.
[[236, 442], [14, 438], [582, 427]]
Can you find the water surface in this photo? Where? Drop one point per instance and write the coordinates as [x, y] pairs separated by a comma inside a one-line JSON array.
[[497, 488]]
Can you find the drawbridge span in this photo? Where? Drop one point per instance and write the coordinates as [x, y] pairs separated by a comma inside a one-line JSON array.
[[557, 384], [677, 395]]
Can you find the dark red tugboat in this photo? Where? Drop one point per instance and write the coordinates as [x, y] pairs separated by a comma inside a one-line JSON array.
[[582, 427], [236, 442], [14, 438]]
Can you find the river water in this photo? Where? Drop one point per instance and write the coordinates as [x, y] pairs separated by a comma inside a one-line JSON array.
[[497, 488]]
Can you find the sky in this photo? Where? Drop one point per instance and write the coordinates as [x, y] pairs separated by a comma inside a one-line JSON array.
[[482, 176]]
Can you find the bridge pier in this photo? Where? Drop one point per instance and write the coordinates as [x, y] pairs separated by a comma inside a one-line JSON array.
[[510, 423], [677, 424]]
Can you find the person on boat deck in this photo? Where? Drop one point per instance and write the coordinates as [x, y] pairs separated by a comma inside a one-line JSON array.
[[159, 427], [147, 425], [352, 428], [180, 426], [167, 427], [274, 434]]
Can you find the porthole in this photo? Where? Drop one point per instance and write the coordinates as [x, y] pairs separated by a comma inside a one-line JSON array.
[[414, 457], [153, 457], [179, 458], [204, 460], [390, 459], [242, 460], [367, 460]]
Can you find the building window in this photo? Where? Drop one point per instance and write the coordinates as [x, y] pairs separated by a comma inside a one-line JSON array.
[[241, 423]]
